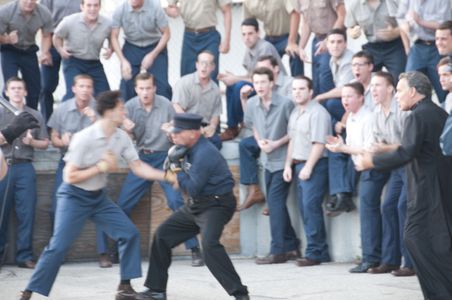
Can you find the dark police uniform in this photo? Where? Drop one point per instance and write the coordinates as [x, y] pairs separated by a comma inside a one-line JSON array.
[[211, 205]]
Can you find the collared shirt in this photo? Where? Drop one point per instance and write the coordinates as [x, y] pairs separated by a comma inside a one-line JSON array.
[[82, 41], [141, 27], [18, 149], [270, 124], [368, 101], [369, 19], [11, 18], [209, 173], [194, 98], [275, 14], [89, 145], [261, 48], [147, 130], [359, 129], [320, 14], [342, 68], [448, 104], [388, 129], [60, 9], [199, 14], [68, 119], [312, 125], [283, 85], [431, 10]]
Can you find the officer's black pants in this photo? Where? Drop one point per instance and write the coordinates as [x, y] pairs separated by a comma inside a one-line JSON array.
[[209, 219]]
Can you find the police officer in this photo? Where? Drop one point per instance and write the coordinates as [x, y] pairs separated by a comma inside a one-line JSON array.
[[92, 154], [211, 205]]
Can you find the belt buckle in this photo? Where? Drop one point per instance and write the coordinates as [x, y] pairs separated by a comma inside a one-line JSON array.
[[9, 161]]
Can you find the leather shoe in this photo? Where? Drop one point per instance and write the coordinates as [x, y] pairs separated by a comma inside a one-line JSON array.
[[403, 272], [383, 268], [272, 259], [25, 295], [230, 133], [293, 255], [306, 262], [104, 261], [363, 267], [242, 297], [254, 196], [125, 292], [340, 202], [29, 264], [151, 295], [196, 257]]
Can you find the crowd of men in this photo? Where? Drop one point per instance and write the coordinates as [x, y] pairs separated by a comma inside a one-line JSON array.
[[339, 132]]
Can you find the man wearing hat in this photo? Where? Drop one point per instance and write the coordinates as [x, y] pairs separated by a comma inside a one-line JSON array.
[[211, 204]]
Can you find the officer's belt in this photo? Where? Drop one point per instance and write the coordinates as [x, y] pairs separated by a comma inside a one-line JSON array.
[[203, 199], [15, 161]]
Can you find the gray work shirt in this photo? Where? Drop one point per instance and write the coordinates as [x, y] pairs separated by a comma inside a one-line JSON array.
[[82, 41], [388, 129], [11, 18], [342, 69], [306, 127], [89, 145], [60, 9], [320, 14], [283, 85], [68, 119], [141, 27], [199, 14], [369, 19], [147, 130], [21, 150], [193, 98], [261, 48], [431, 10], [271, 125]]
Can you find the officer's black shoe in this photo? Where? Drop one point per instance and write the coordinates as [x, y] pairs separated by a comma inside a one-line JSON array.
[[363, 267], [151, 295], [25, 295], [125, 292], [196, 257], [242, 297], [340, 202]]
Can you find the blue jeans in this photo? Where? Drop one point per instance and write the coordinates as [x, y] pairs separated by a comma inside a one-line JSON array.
[[233, 103], [322, 78], [283, 235], [159, 69], [393, 212], [25, 61], [74, 66], [310, 198], [58, 182], [22, 194], [193, 43], [424, 58], [135, 187], [49, 83], [75, 206], [388, 54], [249, 153], [371, 185], [216, 141], [341, 173], [335, 108], [280, 43]]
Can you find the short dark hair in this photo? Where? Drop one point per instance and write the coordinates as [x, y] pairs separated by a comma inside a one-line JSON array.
[[447, 25], [263, 71], [364, 54], [80, 77], [83, 2], [357, 86], [305, 78], [251, 22], [107, 100], [445, 61], [386, 76], [15, 79], [338, 31], [419, 81], [144, 76], [271, 58], [207, 51]]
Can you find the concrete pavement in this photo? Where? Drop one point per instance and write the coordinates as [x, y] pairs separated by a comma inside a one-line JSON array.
[[332, 281]]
